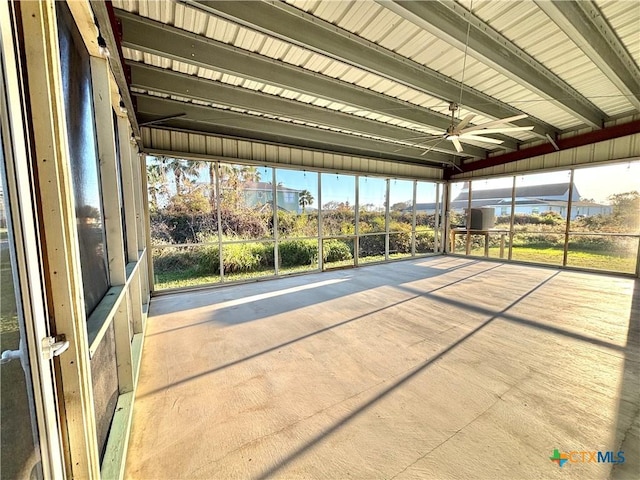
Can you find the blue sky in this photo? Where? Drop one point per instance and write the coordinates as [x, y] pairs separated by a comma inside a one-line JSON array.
[[597, 182]]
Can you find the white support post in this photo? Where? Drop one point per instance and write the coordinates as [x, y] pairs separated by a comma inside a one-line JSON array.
[[356, 246], [386, 218], [219, 220], [567, 228], [108, 169], [148, 256], [112, 214], [139, 171], [512, 219], [468, 222], [436, 221], [276, 236], [320, 242], [413, 219], [128, 188], [446, 208]]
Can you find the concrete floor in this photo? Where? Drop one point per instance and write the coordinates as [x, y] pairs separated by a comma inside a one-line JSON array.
[[436, 368]]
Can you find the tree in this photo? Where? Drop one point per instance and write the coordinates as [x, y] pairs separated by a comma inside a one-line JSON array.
[[156, 183], [233, 179], [250, 174], [183, 171], [212, 184], [626, 209], [305, 198], [401, 206]]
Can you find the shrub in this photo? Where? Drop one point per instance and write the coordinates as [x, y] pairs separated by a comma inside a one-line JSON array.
[[286, 222], [295, 253], [594, 244], [335, 251], [425, 242], [400, 237], [546, 218], [172, 259], [539, 240], [246, 223], [247, 257], [209, 260], [372, 245], [429, 219]]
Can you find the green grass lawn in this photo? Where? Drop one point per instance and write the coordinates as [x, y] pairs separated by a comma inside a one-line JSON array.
[[553, 256], [187, 278], [8, 315], [600, 261]]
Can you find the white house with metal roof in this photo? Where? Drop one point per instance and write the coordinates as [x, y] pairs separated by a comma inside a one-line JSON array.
[[531, 199]]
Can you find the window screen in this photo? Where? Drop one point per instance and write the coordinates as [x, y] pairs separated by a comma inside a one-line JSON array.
[[76, 85]]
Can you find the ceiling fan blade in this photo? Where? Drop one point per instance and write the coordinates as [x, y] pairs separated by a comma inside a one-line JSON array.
[[457, 144], [420, 144], [465, 121], [501, 121], [482, 131], [476, 138], [423, 136], [431, 147]]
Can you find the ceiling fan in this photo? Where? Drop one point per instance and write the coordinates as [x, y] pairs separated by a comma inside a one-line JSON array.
[[461, 133]]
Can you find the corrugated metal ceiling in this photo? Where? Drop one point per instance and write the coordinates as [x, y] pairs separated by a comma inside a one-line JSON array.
[[523, 23]]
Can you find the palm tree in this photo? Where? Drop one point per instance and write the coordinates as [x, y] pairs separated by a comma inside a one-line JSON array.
[[183, 171], [250, 174], [156, 182], [212, 184], [305, 198]]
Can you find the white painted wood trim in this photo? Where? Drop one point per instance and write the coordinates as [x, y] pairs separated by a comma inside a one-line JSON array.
[[63, 277]]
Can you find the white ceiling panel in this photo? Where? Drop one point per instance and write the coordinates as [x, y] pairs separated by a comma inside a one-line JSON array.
[[400, 100]]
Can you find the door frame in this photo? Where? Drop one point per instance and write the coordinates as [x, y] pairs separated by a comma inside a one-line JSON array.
[[20, 207]]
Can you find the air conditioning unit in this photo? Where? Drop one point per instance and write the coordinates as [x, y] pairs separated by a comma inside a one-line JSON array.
[[482, 218]]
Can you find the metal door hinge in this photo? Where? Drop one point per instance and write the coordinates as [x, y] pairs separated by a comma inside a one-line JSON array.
[[54, 346]]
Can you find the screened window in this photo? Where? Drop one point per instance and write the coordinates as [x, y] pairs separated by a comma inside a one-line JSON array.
[[87, 192]]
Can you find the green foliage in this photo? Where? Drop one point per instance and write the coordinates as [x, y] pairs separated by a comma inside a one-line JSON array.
[[247, 257], [305, 198], [593, 244], [626, 211], [425, 220], [339, 221], [178, 259], [286, 221], [425, 242], [400, 238], [400, 242], [246, 223], [539, 240], [372, 222], [336, 250], [191, 204], [295, 253], [401, 206], [546, 218], [371, 245], [306, 225], [594, 223]]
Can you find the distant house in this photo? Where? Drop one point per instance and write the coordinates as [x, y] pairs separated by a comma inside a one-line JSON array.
[[529, 200], [257, 194]]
